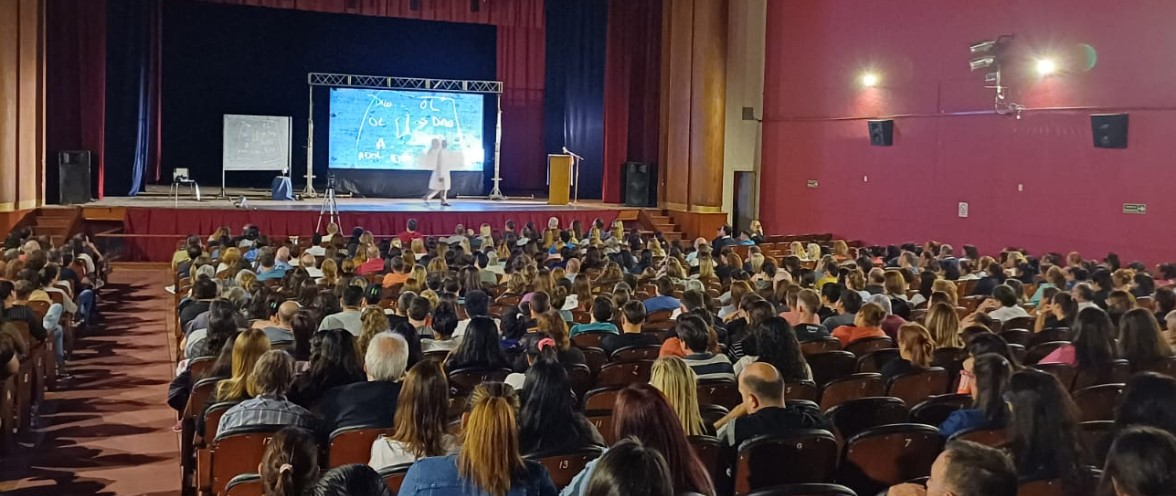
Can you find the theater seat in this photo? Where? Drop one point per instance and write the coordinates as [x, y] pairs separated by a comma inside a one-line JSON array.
[[883, 456], [803, 390], [1116, 373], [601, 399], [562, 467], [811, 455], [863, 346], [245, 485], [354, 444], [875, 360], [623, 374], [854, 386], [916, 386], [859, 415], [236, 452], [820, 346], [394, 476], [935, 409], [589, 339], [1098, 402], [722, 393], [1063, 373], [706, 448], [1096, 438], [1049, 335], [465, 380], [831, 365], [635, 353], [1041, 350], [806, 490], [994, 437]]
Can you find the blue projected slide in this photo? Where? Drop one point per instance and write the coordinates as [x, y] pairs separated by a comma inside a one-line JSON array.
[[391, 129]]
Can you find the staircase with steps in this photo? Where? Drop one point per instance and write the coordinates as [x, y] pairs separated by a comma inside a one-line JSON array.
[[649, 221], [56, 222]]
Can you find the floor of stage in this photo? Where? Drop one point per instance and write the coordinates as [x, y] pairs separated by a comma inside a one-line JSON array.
[[157, 196]]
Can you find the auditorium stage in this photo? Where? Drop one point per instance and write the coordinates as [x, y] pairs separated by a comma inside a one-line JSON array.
[[153, 223]]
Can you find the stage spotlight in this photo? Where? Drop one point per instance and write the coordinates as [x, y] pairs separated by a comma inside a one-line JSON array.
[[869, 80], [982, 63], [1046, 67]]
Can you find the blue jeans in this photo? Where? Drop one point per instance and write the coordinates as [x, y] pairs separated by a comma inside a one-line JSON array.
[[85, 304], [50, 322]]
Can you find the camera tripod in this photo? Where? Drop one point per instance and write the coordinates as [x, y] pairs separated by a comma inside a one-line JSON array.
[[329, 208]]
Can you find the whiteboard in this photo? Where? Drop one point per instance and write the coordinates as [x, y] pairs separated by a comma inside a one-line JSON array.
[[256, 143]]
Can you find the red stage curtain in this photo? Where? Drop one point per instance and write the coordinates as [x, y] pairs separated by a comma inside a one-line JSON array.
[[276, 223], [75, 70], [521, 67], [517, 13], [632, 79]]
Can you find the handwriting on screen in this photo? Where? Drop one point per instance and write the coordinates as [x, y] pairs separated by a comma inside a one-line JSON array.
[[256, 142], [386, 129]]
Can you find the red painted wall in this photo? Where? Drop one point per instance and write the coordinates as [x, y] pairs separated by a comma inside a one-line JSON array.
[[1072, 196]]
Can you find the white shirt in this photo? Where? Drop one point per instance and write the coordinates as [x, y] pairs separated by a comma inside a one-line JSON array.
[[1005, 314], [387, 452], [317, 251]]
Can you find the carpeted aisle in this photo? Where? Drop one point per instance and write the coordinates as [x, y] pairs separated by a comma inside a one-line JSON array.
[[108, 432]]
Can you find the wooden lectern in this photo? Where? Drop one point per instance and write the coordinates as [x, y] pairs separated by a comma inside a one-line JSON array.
[[559, 178]]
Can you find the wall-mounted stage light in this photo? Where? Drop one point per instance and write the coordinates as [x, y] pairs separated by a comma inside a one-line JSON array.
[[869, 80], [988, 55], [981, 63], [1046, 67]]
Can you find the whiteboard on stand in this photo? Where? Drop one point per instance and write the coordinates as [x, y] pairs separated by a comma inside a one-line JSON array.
[[256, 142]]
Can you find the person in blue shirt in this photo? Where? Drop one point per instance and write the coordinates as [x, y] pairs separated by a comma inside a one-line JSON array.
[[488, 462], [989, 410], [664, 299], [267, 267], [602, 314]]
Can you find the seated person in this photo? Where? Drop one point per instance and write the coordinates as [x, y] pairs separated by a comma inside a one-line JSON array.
[[989, 410], [351, 318], [632, 318], [847, 306], [1004, 304], [965, 468], [270, 378], [808, 303], [866, 324], [444, 324], [664, 300], [763, 410], [915, 349], [372, 402], [602, 313], [267, 265], [281, 329], [694, 340], [477, 304], [398, 274]]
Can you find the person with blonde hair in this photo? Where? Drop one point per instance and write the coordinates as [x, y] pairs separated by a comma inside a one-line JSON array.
[[229, 260], [247, 349], [943, 323], [270, 378], [679, 384], [814, 252], [488, 461], [915, 350], [840, 250], [949, 287], [374, 322], [706, 269]]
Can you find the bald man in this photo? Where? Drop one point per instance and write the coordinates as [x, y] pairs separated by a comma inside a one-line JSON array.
[[763, 410], [280, 331]]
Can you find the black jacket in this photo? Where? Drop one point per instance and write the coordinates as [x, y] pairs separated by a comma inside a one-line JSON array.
[[371, 403]]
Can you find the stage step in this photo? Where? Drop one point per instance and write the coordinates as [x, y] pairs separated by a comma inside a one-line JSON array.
[[55, 222]]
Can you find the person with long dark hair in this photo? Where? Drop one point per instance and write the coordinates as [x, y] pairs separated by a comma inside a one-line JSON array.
[[642, 412], [1149, 399], [1140, 340], [631, 468], [776, 343], [1093, 344], [992, 373], [984, 342], [1061, 311], [548, 420], [1043, 429], [333, 362], [290, 464], [478, 348], [1141, 462]]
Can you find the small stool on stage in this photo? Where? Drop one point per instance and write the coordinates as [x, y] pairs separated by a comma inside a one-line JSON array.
[[180, 178]]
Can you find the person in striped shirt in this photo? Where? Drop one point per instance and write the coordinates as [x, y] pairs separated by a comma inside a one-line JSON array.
[[693, 336]]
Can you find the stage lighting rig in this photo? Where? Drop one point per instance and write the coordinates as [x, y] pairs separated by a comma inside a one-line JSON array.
[[988, 55]]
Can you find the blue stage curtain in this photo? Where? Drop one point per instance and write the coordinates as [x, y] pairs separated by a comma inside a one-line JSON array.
[[574, 93], [132, 94]]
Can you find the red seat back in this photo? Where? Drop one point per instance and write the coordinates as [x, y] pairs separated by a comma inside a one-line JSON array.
[[353, 444]]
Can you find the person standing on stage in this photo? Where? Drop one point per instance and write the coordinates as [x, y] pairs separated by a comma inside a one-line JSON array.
[[439, 181]]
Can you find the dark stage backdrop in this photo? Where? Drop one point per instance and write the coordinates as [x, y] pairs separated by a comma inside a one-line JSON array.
[[222, 59], [574, 99]]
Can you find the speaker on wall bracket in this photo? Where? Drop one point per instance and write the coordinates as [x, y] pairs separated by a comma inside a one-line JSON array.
[[639, 184], [881, 132], [1109, 130]]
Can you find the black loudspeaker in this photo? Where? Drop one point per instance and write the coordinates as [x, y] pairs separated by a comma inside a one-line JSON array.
[[881, 132], [73, 177], [639, 184], [1109, 130]]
